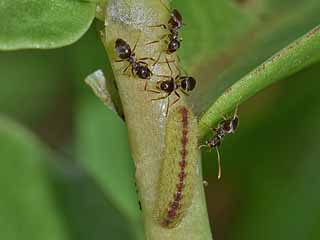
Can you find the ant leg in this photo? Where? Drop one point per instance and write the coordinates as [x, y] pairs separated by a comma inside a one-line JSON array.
[[184, 92], [142, 62], [135, 45], [159, 25], [169, 66], [162, 76], [120, 60], [168, 105], [126, 68], [164, 36], [219, 163], [158, 58], [177, 99], [153, 91], [160, 98], [146, 84], [163, 97], [235, 114], [179, 68], [146, 58], [179, 60], [156, 41], [150, 90], [211, 128]]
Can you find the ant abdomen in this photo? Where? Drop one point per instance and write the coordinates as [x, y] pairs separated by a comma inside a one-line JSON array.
[[188, 83]]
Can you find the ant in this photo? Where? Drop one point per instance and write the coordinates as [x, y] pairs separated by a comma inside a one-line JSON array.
[[173, 25], [225, 127], [183, 83], [138, 66]]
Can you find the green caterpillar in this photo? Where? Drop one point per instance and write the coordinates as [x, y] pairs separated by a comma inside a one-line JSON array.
[[178, 169]]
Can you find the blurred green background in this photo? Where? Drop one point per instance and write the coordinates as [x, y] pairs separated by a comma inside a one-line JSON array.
[[65, 166]]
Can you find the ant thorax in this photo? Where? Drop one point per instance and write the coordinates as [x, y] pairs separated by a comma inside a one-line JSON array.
[[132, 59], [215, 141], [142, 71], [174, 35], [220, 131], [133, 62]]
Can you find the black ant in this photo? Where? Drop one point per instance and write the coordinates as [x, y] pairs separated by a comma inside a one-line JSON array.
[[225, 127], [173, 25], [183, 83], [138, 67]]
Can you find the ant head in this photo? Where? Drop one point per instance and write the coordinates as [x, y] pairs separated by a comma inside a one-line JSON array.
[[143, 72], [167, 86], [175, 22], [188, 83], [123, 49], [173, 46]]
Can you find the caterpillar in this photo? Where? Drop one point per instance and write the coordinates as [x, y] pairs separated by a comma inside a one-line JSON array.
[[178, 168]]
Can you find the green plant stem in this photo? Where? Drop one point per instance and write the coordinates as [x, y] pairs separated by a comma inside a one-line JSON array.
[[298, 55], [145, 119]]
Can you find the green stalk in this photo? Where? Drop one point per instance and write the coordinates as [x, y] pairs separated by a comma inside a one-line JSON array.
[[145, 119], [297, 56]]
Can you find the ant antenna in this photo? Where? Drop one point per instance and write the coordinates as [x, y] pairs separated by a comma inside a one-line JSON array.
[[236, 111], [202, 146], [211, 128], [166, 7], [179, 68], [219, 163]]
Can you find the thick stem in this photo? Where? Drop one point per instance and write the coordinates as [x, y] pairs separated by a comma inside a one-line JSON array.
[[146, 120]]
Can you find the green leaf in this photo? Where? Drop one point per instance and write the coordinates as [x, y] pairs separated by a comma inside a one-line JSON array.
[[103, 150], [224, 40], [298, 55], [43, 24], [27, 76], [90, 215], [27, 205], [272, 163]]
